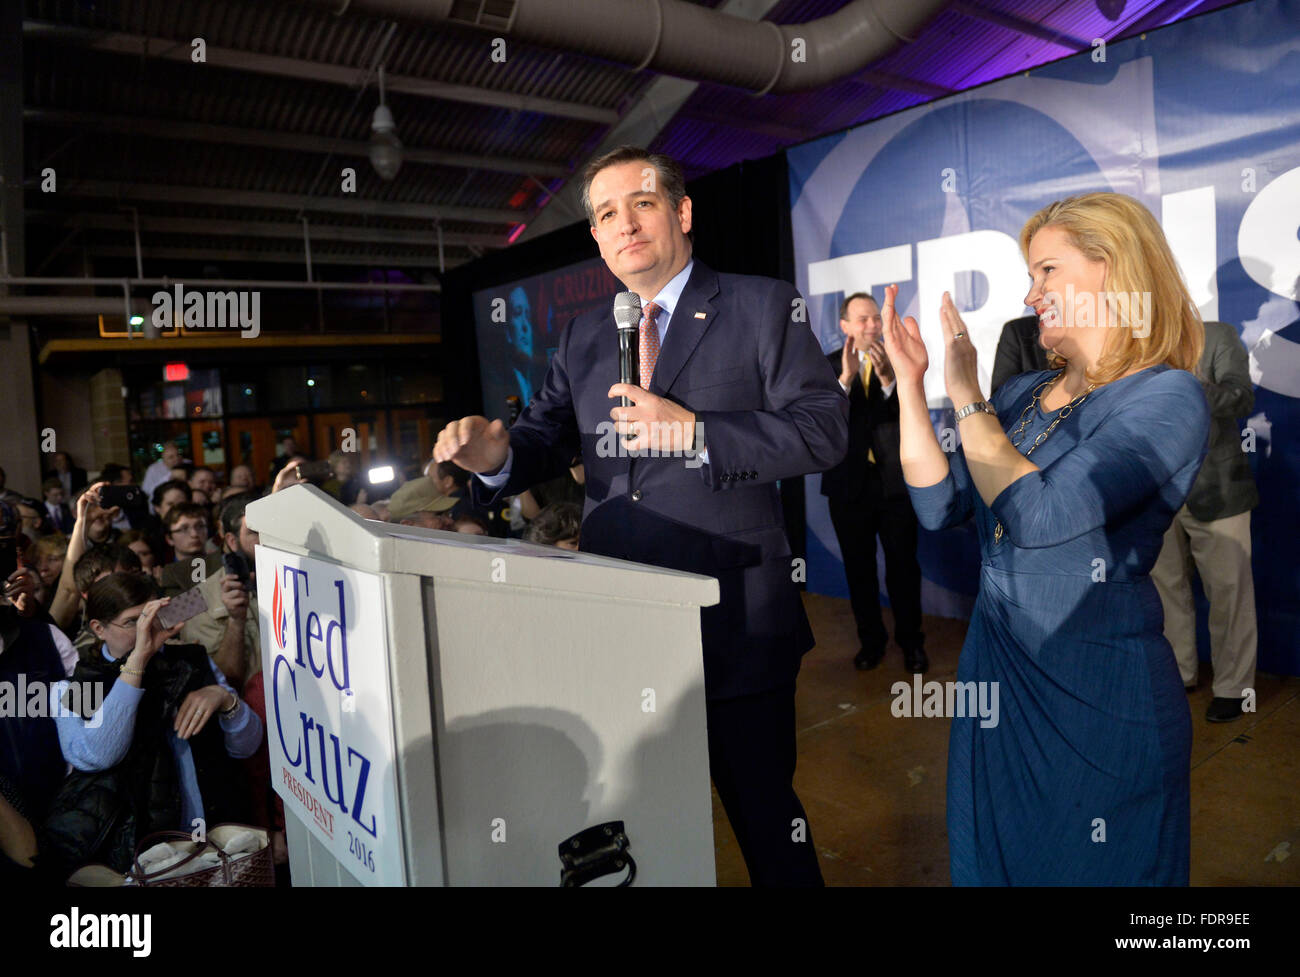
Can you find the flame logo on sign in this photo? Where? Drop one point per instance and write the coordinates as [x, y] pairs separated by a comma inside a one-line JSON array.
[[277, 612]]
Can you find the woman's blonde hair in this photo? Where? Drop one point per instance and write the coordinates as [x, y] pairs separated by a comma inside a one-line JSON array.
[[1118, 230]]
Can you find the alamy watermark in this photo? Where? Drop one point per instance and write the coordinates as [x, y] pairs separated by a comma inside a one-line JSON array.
[[240, 310], [38, 700], [656, 435], [950, 700], [1127, 309], [75, 930]]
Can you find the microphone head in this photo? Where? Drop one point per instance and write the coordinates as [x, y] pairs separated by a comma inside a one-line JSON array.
[[627, 310]]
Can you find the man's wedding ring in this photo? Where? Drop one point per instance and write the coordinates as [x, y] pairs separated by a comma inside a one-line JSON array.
[[958, 335]]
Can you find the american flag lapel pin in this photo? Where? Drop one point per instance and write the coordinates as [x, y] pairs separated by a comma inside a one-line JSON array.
[[701, 315]]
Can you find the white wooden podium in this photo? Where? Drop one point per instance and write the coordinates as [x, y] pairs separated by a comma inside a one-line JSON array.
[[445, 709]]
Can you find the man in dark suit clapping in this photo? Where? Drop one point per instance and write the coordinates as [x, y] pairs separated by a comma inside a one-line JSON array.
[[868, 497], [734, 395]]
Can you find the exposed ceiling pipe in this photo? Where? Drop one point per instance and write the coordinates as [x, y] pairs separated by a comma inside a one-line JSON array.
[[674, 37], [139, 258], [299, 142], [169, 281], [258, 229], [143, 46], [68, 305], [306, 244], [34, 305]]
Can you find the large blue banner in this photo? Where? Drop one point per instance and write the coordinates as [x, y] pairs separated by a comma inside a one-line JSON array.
[[1199, 121]]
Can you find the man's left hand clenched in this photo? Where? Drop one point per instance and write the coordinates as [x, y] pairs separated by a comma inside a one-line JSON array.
[[659, 424]]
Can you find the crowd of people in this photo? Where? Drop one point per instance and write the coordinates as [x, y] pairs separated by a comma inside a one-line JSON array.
[[144, 725], [1099, 468]]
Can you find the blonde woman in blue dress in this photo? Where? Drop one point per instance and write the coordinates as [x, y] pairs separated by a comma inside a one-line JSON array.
[[1073, 475]]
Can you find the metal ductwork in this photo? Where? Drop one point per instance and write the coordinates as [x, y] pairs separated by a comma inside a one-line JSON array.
[[677, 38], [70, 305], [130, 304]]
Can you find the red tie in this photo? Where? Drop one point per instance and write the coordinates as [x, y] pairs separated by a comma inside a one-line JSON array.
[[649, 343]]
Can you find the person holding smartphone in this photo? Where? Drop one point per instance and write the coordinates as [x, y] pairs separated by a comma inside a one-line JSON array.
[[65, 605], [228, 628], [157, 752], [19, 583]]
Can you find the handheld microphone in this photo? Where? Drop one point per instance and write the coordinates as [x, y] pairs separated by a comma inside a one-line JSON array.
[[627, 313]]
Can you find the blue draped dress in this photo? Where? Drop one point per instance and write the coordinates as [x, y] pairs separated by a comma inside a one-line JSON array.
[[1084, 778]]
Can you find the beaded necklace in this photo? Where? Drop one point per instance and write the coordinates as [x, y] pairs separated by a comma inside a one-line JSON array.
[[1061, 415]]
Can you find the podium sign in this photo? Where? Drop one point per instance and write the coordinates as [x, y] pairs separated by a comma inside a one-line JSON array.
[[329, 721], [445, 709]]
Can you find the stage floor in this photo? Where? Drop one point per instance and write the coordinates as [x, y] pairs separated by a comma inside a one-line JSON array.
[[873, 784]]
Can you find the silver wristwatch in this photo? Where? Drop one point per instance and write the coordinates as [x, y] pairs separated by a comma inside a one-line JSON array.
[[969, 409]]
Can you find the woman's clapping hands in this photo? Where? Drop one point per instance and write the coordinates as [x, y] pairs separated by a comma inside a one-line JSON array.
[[903, 342], [910, 358]]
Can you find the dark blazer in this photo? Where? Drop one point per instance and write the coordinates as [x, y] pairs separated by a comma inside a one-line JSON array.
[[61, 522], [873, 425], [78, 477], [1018, 351], [1225, 486], [771, 409]]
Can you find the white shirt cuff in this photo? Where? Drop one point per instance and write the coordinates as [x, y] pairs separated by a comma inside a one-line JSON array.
[[501, 477]]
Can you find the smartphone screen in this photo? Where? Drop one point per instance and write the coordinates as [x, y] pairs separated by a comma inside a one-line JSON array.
[[183, 607], [236, 566], [314, 470]]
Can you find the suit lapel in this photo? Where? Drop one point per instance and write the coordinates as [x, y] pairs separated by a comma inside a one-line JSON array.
[[684, 329]]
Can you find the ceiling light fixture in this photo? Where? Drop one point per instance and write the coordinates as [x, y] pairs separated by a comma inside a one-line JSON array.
[[385, 147]]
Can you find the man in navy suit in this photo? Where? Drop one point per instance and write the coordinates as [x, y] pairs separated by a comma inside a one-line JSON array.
[[736, 392], [867, 496], [56, 506]]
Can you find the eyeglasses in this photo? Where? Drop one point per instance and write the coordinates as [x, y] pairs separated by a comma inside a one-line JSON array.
[[127, 626], [190, 527]]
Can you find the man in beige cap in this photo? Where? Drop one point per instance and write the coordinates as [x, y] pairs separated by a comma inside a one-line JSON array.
[[421, 503]]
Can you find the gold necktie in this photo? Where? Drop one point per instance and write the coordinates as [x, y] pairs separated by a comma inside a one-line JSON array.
[[866, 389]]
